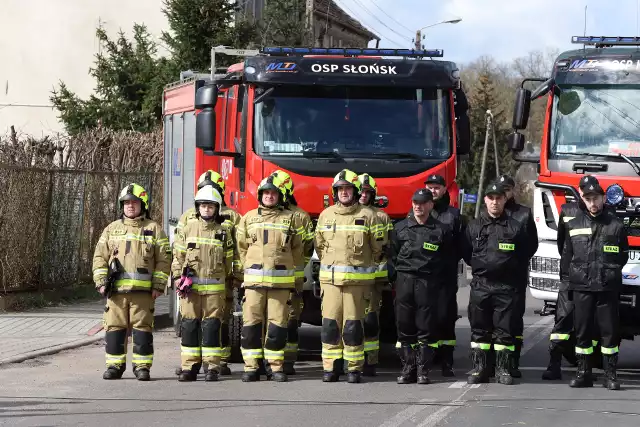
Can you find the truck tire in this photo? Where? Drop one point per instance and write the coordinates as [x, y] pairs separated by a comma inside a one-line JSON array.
[[235, 326]]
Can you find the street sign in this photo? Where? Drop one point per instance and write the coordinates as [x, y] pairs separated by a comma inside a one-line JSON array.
[[471, 198], [236, 52]]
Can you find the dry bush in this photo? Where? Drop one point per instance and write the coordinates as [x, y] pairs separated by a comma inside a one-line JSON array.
[[59, 193]]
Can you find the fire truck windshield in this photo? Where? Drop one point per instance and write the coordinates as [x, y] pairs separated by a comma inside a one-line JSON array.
[[596, 119], [353, 121]]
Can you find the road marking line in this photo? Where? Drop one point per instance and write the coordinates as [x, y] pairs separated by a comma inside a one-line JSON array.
[[406, 414], [463, 384], [440, 414]]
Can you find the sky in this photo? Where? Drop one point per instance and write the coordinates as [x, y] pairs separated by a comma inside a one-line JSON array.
[[504, 29]]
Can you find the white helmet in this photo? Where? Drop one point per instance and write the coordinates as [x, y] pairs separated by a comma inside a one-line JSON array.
[[208, 194]]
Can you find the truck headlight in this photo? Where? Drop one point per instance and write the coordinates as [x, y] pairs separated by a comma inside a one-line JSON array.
[[614, 194]]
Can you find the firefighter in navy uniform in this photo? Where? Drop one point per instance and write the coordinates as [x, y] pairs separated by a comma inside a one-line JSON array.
[[135, 252], [524, 215], [374, 298], [421, 248], [203, 257], [270, 242], [447, 297], [599, 250], [349, 246], [296, 302], [562, 338], [497, 248], [215, 180]]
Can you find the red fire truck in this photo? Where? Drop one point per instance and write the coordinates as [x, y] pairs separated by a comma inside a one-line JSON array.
[[399, 115], [591, 127]]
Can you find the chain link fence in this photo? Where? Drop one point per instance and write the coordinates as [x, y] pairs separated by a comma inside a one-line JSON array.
[[51, 220]]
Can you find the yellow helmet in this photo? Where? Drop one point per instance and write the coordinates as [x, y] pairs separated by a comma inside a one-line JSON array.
[[286, 181], [368, 183], [347, 177], [272, 182], [134, 191], [213, 178]]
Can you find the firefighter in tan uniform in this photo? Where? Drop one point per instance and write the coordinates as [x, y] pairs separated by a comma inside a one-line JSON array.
[[215, 180], [202, 262], [270, 242], [130, 266], [374, 298], [296, 303], [349, 246]]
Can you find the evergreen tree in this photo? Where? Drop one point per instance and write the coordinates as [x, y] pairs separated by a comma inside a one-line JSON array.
[[284, 23], [481, 100], [129, 80]]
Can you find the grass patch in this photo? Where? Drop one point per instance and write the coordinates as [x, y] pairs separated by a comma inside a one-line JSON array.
[[51, 298]]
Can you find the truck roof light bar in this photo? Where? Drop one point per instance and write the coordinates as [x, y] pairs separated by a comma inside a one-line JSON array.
[[286, 51], [605, 40]]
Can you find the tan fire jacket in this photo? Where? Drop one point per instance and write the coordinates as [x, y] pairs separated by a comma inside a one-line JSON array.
[[270, 244], [385, 225], [232, 223], [305, 220], [349, 244], [142, 248], [206, 248]]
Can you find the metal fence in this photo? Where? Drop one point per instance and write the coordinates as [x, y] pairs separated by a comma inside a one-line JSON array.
[[51, 220]]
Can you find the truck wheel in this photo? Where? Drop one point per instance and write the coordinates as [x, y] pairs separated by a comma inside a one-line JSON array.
[[235, 327]]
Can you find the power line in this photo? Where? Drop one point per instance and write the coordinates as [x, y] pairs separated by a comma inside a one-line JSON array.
[[357, 16], [27, 105], [392, 18], [380, 21]]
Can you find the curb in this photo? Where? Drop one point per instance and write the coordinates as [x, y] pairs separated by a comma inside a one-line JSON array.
[[52, 350]]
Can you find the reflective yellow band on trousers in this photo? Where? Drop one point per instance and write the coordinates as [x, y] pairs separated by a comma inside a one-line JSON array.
[[142, 359], [481, 346], [347, 272], [560, 337], [332, 354], [371, 346], [353, 356], [252, 275], [500, 347], [252, 353]]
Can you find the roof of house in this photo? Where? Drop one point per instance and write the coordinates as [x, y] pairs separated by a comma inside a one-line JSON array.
[[336, 14]]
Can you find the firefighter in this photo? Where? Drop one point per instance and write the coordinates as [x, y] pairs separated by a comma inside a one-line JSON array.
[[448, 291], [562, 338], [421, 247], [497, 248], [296, 303], [373, 298], [270, 242], [132, 255], [203, 257], [349, 246], [523, 214], [214, 179], [598, 250]]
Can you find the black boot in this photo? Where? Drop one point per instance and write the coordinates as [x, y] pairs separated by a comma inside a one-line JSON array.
[[569, 352], [354, 377], [480, 372], [142, 374], [409, 369], [187, 375], [280, 377], [583, 373], [288, 368], [446, 356], [334, 375], [491, 362], [211, 375], [368, 370], [113, 373], [424, 361], [610, 362], [515, 360], [250, 377], [224, 369], [554, 371], [264, 369], [503, 367]]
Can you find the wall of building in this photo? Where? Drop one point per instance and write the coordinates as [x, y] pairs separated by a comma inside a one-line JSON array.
[[45, 41]]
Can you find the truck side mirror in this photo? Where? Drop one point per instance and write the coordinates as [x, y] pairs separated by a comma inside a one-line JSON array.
[[521, 109], [516, 142], [463, 127], [206, 98]]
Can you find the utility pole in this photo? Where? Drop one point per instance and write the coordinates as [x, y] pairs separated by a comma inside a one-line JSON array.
[[418, 44]]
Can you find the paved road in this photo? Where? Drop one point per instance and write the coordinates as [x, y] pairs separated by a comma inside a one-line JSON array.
[[67, 389]]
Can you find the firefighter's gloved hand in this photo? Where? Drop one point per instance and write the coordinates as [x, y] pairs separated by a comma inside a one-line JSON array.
[[183, 288]]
